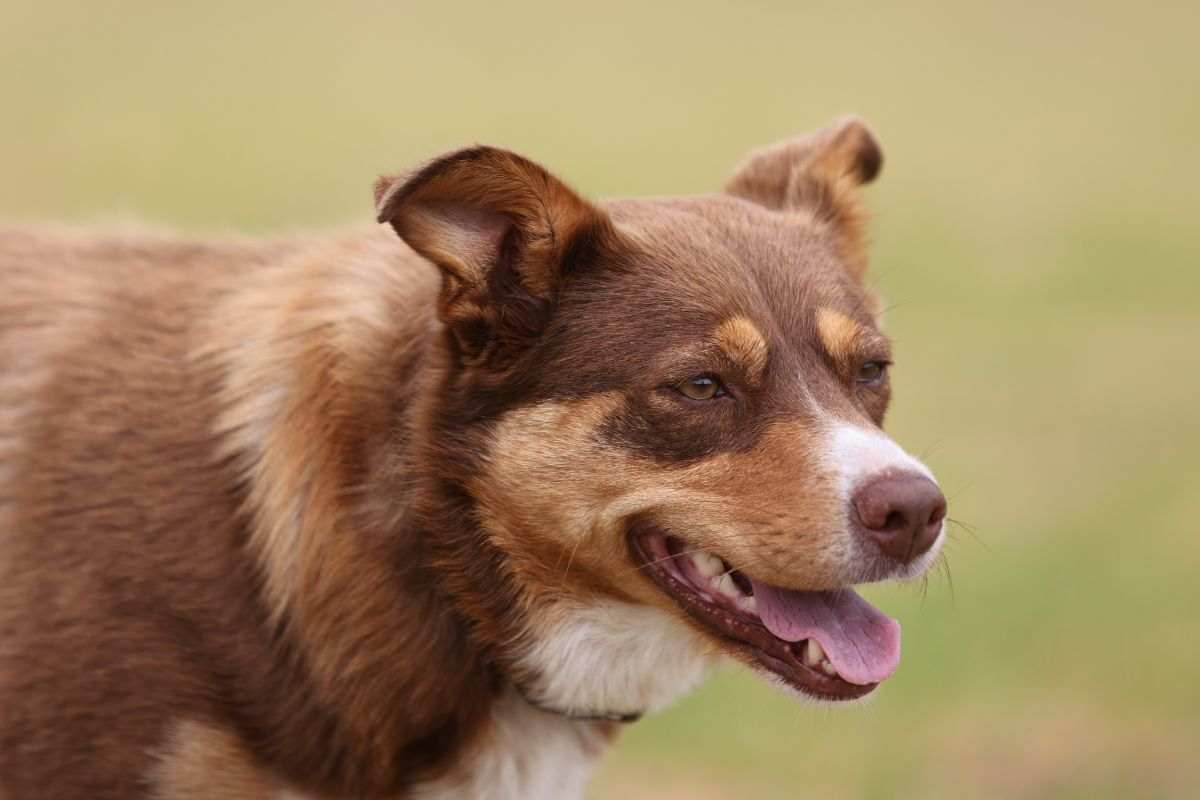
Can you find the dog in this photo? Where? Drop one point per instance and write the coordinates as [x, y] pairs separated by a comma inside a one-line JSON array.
[[434, 508]]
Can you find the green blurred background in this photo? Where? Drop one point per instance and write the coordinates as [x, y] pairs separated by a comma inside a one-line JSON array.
[[1036, 238]]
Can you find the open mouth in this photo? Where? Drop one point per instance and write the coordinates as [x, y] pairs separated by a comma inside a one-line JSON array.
[[832, 645]]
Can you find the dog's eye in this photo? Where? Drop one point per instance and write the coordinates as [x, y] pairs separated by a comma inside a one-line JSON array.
[[872, 373], [701, 387]]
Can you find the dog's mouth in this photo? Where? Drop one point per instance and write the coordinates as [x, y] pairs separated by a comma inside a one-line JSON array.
[[832, 645]]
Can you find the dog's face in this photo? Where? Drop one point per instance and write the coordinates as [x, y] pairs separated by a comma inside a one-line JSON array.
[[682, 401]]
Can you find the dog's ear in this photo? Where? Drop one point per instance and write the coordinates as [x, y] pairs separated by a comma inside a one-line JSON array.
[[503, 231], [821, 173]]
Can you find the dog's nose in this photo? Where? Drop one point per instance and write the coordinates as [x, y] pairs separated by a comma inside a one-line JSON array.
[[902, 514]]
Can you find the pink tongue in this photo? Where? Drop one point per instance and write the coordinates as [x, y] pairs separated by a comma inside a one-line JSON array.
[[861, 642]]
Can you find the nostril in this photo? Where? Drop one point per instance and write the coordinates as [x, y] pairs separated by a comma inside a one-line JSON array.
[[938, 514]]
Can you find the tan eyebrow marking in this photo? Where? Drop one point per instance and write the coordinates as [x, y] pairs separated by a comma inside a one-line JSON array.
[[743, 343], [838, 333]]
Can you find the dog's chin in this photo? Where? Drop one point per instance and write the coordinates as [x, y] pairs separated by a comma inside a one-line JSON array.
[[824, 633]]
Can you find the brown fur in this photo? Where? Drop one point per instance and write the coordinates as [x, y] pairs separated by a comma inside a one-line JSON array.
[[287, 513], [201, 762]]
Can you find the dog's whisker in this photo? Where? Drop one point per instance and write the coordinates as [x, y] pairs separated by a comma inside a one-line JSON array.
[[931, 449], [943, 564], [971, 530], [959, 491], [570, 560], [966, 526], [669, 557], [686, 552]]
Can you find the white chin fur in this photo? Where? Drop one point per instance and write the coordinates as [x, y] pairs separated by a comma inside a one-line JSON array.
[[611, 657]]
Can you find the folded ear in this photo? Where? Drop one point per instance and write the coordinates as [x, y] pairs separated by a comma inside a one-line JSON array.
[[502, 230], [820, 172]]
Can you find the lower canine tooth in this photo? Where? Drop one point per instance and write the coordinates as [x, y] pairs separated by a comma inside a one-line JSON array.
[[748, 604], [813, 654], [828, 669]]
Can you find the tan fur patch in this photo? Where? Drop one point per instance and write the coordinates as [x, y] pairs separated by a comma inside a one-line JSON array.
[[839, 334], [554, 498], [744, 343], [577, 492], [200, 762]]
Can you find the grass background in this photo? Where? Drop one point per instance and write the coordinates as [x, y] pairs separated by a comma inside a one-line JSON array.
[[1036, 236]]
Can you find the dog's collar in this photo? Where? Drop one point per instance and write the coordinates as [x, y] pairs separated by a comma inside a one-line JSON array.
[[610, 717], [614, 716]]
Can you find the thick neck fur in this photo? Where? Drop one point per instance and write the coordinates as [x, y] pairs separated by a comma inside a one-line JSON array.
[[373, 571]]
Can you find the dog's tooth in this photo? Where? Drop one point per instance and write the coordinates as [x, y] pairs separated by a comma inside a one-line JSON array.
[[707, 564], [828, 669], [748, 604], [727, 587], [813, 653]]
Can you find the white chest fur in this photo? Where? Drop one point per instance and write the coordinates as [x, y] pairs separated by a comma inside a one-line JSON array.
[[528, 755]]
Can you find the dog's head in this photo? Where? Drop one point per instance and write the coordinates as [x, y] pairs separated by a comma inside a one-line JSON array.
[[675, 406]]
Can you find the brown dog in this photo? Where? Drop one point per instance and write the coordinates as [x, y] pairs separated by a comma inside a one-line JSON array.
[[310, 518]]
